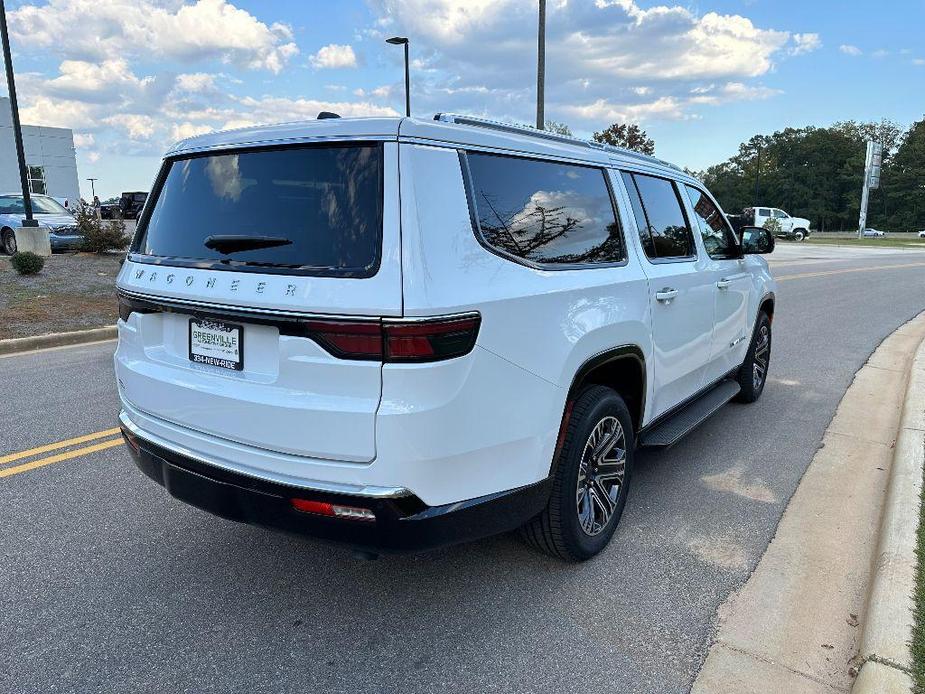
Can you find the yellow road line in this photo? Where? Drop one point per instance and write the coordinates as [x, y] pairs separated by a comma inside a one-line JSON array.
[[55, 446], [41, 462], [826, 273]]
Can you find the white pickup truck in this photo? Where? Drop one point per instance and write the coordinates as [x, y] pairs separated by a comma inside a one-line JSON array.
[[792, 228]]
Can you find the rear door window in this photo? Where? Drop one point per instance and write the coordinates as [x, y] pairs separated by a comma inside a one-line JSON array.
[[544, 212], [313, 210], [662, 216]]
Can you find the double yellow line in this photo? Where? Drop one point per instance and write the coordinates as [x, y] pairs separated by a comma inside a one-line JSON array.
[[102, 440]]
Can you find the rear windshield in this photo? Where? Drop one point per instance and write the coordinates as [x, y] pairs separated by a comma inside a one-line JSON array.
[[302, 210]]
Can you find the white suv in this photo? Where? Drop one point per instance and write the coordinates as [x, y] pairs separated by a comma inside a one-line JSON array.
[[401, 333]]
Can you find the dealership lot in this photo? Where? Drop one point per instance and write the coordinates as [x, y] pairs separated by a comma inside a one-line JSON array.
[[111, 585]]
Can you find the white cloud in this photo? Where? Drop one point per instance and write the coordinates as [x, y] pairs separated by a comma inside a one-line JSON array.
[[181, 131], [606, 59], [848, 49], [84, 140], [95, 30], [918, 61], [334, 56], [137, 126], [805, 43], [196, 82]]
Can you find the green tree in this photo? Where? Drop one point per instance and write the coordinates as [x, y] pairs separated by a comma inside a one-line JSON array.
[[629, 136], [558, 128]]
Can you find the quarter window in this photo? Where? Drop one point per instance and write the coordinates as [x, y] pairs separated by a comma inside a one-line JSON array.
[[717, 236], [662, 217], [544, 212]]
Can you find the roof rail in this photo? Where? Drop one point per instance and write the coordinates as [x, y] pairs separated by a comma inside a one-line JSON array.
[[546, 135], [528, 130]]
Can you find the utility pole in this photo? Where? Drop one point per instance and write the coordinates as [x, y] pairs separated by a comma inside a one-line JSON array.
[[17, 129], [93, 186], [541, 68]]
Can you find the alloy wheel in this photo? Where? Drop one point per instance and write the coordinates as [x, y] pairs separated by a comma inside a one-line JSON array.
[[601, 475], [762, 353]]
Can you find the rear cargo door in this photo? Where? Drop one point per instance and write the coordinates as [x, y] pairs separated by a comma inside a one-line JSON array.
[[253, 287]]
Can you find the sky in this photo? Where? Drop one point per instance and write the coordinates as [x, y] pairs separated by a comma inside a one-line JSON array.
[[131, 77]]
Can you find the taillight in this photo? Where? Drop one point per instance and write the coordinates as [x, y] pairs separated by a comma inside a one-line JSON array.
[[430, 340], [397, 341], [347, 340]]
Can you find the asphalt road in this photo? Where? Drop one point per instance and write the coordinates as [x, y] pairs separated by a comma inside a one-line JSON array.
[[109, 585]]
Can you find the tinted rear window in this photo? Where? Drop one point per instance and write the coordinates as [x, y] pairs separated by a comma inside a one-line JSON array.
[[322, 205]]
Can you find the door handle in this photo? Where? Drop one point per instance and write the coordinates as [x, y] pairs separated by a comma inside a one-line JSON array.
[[666, 295], [724, 284]]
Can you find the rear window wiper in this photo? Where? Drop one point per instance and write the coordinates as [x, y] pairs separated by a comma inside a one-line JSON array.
[[229, 243]]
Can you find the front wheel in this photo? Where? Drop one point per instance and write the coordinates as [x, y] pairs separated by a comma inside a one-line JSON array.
[[591, 479], [8, 241], [753, 373], [799, 235]]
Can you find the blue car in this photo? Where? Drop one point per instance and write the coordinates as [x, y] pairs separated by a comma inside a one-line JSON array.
[[62, 226]]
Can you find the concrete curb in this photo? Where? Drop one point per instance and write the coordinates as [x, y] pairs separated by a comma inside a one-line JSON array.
[[888, 620], [27, 344]]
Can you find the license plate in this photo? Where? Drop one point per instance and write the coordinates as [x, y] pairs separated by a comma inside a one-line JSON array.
[[216, 343]]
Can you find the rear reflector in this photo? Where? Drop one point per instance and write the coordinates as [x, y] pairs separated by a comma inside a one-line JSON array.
[[322, 508], [394, 341]]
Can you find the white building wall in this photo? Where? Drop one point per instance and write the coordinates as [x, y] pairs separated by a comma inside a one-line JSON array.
[[50, 148]]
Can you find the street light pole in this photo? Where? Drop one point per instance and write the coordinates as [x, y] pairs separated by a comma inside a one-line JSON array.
[[17, 129], [93, 186], [541, 68], [403, 41]]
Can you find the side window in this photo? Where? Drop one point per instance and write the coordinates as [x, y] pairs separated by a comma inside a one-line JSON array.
[[717, 236], [780, 214], [664, 217], [544, 212], [764, 212], [641, 222]]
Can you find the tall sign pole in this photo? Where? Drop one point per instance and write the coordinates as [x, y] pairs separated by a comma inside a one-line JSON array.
[[872, 164], [541, 68], [17, 130]]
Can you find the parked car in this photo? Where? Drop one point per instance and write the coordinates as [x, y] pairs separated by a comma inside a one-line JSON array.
[[873, 234], [62, 226], [131, 204], [922, 234], [110, 211], [791, 228], [476, 340]]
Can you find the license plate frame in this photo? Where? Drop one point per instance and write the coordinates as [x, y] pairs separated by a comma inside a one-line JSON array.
[[227, 356]]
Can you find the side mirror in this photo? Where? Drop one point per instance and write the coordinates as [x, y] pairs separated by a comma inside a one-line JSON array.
[[757, 240]]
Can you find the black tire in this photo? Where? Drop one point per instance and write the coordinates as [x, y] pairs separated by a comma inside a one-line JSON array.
[[560, 529], [757, 360], [8, 241], [799, 235]]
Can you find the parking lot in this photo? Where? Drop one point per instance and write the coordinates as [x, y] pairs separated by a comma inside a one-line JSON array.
[[111, 585]]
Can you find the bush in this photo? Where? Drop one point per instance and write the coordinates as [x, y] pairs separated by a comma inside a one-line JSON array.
[[27, 263], [772, 225], [100, 236]]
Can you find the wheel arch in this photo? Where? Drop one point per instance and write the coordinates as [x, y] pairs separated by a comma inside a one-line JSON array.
[[622, 368], [766, 305]]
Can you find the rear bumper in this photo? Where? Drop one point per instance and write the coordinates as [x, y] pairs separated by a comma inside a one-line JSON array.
[[402, 524]]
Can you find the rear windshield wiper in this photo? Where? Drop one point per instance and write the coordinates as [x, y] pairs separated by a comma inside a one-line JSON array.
[[229, 243]]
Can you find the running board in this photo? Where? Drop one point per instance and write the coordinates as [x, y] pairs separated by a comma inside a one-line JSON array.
[[693, 415]]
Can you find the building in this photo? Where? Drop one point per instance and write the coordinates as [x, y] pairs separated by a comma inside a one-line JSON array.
[[50, 157]]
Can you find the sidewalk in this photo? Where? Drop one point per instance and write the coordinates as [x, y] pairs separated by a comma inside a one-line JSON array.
[[796, 624]]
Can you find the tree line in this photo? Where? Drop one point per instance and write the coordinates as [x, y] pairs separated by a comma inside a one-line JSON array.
[[812, 172], [817, 173]]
